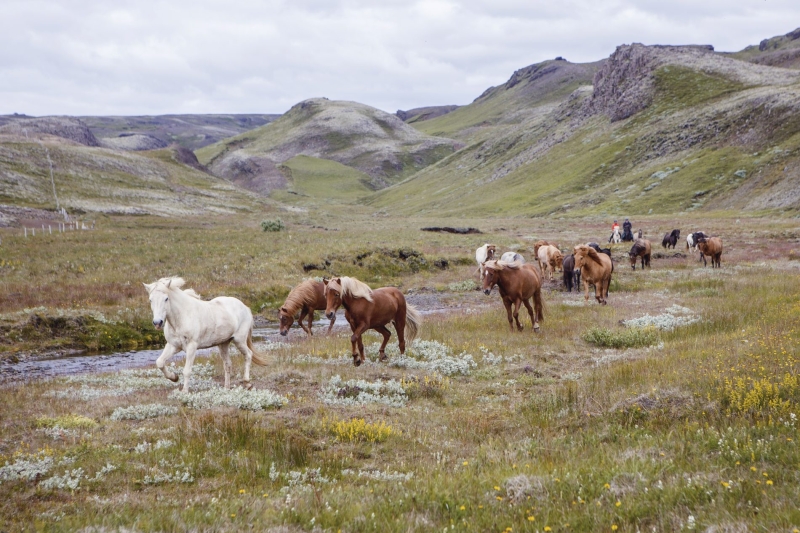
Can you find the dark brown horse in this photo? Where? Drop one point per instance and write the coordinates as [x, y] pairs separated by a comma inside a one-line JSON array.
[[671, 238], [365, 309], [641, 248], [307, 297], [572, 276], [712, 247], [596, 269], [517, 283]]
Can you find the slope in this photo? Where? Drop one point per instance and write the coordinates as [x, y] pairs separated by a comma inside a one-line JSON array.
[[371, 141], [663, 129], [781, 51]]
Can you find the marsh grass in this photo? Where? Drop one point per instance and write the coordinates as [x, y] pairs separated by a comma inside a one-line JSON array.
[[538, 434], [626, 338]]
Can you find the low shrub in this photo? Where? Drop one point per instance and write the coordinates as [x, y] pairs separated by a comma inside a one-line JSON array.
[[359, 430], [273, 225], [627, 338]]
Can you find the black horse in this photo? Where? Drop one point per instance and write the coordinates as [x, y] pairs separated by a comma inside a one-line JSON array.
[[599, 250], [572, 277], [671, 238], [627, 231]]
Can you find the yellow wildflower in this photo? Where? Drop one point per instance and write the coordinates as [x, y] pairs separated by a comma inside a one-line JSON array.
[[531, 518], [618, 503]]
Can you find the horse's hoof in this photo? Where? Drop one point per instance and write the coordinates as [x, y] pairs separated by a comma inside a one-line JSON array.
[[383, 357], [356, 362], [173, 379], [247, 385]]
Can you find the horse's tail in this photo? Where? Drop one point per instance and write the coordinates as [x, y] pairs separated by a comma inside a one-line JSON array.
[[258, 358], [413, 322]]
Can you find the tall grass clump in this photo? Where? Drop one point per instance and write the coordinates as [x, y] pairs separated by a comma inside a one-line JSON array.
[[359, 430], [627, 338], [272, 225]]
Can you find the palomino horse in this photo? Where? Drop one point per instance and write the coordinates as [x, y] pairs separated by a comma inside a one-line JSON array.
[[596, 269], [483, 254], [372, 309], [307, 297], [712, 247], [550, 260], [190, 323], [517, 283], [641, 248], [539, 244]]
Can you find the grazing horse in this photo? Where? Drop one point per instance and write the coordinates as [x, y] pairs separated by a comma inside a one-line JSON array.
[[190, 323], [372, 309], [307, 297], [517, 283], [641, 248], [510, 257], [615, 237], [596, 269], [671, 239], [572, 275], [550, 259], [483, 254], [712, 247]]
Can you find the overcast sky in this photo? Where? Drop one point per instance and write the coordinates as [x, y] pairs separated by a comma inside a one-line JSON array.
[[137, 57]]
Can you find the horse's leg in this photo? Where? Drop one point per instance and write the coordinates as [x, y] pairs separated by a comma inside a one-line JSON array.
[[400, 328], [357, 344], [517, 304], [191, 351], [161, 362], [528, 306], [310, 320], [703, 257], [507, 303], [383, 330], [242, 346], [226, 361], [585, 290], [330, 327]]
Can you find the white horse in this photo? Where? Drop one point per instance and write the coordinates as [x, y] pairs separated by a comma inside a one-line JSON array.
[[190, 323], [510, 257], [483, 254], [615, 237]]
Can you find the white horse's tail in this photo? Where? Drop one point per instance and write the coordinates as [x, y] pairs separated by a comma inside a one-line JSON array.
[[258, 358], [413, 322]]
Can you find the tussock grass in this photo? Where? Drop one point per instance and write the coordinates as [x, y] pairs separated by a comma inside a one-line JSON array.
[[626, 338]]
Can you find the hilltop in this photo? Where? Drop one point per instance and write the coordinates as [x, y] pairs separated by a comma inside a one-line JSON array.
[[659, 129], [377, 144]]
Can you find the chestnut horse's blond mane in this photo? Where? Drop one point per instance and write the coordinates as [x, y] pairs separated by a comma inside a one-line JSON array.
[[353, 287], [497, 264], [588, 251], [303, 294]]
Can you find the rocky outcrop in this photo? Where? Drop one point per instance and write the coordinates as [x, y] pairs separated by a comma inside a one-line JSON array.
[[133, 141], [72, 129]]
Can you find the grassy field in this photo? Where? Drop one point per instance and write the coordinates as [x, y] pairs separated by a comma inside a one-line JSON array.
[[589, 425]]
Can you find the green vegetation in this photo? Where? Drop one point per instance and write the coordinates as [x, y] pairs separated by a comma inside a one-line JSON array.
[[625, 338], [272, 225], [324, 179]]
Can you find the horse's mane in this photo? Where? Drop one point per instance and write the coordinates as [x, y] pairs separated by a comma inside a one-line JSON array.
[[636, 248], [589, 252], [497, 264], [355, 288], [303, 294], [176, 282]]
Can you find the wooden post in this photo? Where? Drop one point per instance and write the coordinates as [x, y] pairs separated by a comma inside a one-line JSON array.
[[50, 229], [26, 233]]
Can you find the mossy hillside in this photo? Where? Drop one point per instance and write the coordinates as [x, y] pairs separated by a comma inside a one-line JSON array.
[[325, 179]]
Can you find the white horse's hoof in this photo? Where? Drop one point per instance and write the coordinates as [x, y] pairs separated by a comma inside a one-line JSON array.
[[247, 385]]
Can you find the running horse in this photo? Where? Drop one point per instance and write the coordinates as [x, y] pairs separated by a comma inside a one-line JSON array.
[[365, 308], [596, 269], [517, 283], [307, 297]]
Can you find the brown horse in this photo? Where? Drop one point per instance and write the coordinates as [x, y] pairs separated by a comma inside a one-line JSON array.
[[366, 309], [517, 283], [550, 259], [712, 247], [595, 269], [641, 248], [307, 297]]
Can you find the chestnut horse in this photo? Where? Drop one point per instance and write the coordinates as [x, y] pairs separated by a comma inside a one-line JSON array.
[[365, 309], [517, 283], [712, 247], [596, 269], [307, 297], [641, 248]]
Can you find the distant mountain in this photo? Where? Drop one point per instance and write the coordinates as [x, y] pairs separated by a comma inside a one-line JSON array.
[[661, 129], [424, 113], [781, 51], [371, 141]]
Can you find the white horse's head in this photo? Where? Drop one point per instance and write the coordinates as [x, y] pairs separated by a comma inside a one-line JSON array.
[[159, 299]]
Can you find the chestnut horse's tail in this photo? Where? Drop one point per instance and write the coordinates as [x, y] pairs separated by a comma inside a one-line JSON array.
[[538, 305], [413, 322], [257, 357]]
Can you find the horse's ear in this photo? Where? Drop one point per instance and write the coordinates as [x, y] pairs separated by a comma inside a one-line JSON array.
[[325, 280], [149, 287], [169, 281]]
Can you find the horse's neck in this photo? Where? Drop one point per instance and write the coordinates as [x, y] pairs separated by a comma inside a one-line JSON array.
[[181, 313]]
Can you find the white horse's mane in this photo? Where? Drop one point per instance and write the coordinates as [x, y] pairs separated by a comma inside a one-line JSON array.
[[498, 264], [356, 288], [176, 282]]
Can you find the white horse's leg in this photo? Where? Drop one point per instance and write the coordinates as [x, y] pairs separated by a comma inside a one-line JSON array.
[[161, 363], [191, 351], [226, 362], [248, 359]]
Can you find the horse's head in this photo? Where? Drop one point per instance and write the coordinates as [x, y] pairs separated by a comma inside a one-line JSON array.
[[333, 296], [632, 256], [490, 250], [579, 253], [286, 320], [159, 301], [490, 276]]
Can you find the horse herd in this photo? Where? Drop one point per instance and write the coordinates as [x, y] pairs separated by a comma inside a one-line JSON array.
[[190, 323]]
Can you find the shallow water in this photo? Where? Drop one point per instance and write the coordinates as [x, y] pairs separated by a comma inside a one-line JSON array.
[[49, 367]]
